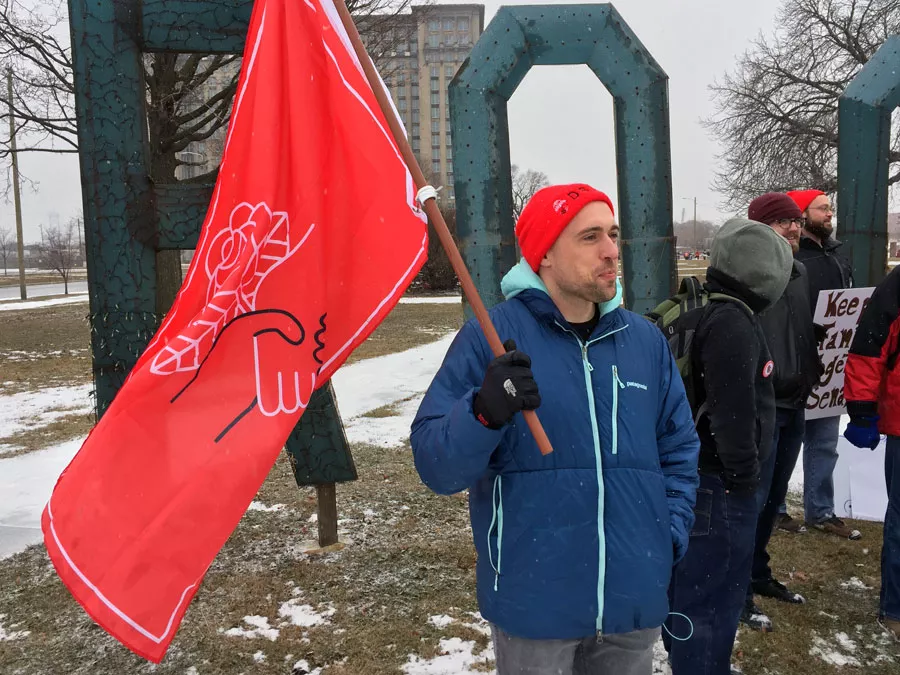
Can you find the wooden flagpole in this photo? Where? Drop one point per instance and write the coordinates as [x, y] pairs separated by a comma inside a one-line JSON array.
[[434, 213]]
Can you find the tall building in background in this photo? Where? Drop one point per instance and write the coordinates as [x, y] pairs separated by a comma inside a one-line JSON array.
[[417, 55], [417, 64]]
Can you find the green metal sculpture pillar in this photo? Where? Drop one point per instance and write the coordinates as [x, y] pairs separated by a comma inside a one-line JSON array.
[[517, 39], [118, 199], [864, 130]]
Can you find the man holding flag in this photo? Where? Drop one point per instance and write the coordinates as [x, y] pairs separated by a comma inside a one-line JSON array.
[[302, 253], [575, 548]]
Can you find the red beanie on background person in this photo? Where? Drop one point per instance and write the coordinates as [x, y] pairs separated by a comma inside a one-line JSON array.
[[548, 213], [803, 198]]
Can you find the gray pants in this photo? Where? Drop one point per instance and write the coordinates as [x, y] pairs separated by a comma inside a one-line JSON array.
[[622, 654]]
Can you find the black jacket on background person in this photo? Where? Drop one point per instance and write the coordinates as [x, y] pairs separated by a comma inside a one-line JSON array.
[[827, 269], [732, 359], [790, 337]]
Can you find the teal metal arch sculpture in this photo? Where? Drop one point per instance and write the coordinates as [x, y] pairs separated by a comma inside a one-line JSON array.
[[517, 39], [128, 218], [864, 145]]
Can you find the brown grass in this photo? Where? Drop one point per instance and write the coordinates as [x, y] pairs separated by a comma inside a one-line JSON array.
[[29, 341], [38, 436], [408, 326], [815, 565]]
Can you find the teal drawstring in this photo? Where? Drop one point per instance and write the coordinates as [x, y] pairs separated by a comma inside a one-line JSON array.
[[499, 485], [674, 637], [496, 519]]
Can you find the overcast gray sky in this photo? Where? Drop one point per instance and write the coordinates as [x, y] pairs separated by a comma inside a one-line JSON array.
[[560, 117]]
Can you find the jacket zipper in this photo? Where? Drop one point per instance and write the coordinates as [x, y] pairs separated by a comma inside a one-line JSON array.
[[496, 519], [616, 385], [595, 431]]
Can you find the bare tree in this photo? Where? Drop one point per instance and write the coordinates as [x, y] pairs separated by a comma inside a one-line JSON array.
[[189, 96], [695, 235], [437, 273], [524, 185], [186, 103], [776, 113], [7, 246], [60, 250]]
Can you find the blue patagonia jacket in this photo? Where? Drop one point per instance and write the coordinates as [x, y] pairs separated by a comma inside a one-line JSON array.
[[581, 541]]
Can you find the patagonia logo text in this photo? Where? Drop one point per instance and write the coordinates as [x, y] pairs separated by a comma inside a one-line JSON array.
[[636, 385]]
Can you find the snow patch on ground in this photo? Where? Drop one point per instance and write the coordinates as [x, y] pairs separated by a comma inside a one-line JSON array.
[[440, 620], [259, 656], [826, 651], [259, 628], [73, 299], [31, 409], [845, 642], [868, 647], [19, 355], [855, 584], [302, 668], [11, 634], [385, 432], [304, 615], [26, 483], [259, 506], [457, 657], [369, 384]]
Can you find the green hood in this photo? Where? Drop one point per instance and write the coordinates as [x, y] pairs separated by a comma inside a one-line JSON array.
[[754, 255], [522, 277]]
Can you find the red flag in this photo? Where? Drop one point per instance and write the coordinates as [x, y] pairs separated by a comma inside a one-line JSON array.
[[311, 237]]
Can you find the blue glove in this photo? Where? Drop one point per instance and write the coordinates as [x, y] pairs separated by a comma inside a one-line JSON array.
[[863, 432]]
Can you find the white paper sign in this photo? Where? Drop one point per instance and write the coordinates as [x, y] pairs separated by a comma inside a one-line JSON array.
[[859, 487], [839, 311]]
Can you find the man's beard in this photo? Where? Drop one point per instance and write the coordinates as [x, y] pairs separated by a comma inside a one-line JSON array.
[[596, 292], [820, 230]]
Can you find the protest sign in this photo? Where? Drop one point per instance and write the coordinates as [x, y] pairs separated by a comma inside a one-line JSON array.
[[839, 312]]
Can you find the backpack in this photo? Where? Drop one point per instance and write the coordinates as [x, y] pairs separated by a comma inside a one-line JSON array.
[[679, 318]]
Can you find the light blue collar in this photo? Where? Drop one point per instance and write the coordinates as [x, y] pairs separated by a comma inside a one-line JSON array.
[[522, 277]]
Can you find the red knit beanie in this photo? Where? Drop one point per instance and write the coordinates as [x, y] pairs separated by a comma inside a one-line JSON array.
[[548, 213], [804, 198]]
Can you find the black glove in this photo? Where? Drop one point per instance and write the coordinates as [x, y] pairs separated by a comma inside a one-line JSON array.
[[508, 388]]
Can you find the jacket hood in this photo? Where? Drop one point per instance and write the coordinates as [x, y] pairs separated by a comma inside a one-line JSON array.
[[755, 256], [522, 278]]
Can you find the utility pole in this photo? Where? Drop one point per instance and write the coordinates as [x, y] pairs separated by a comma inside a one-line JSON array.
[[697, 248], [23, 292]]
